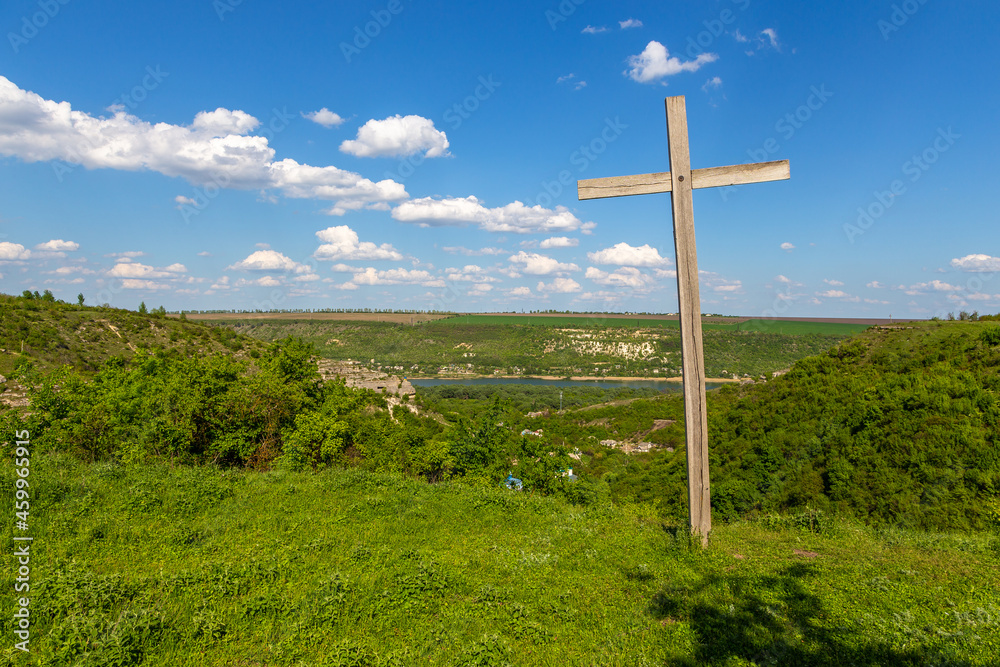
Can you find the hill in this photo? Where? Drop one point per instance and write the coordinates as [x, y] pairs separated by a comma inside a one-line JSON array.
[[158, 564], [898, 426]]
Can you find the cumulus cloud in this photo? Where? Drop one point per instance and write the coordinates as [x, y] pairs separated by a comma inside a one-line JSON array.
[[630, 23], [559, 286], [627, 277], [372, 276], [513, 218], [269, 260], [324, 117], [833, 283], [932, 286], [977, 263], [559, 242], [470, 273], [13, 252], [215, 149], [398, 136], [622, 254], [519, 292], [342, 243], [591, 30], [129, 269], [771, 37], [535, 264], [787, 247], [655, 63], [58, 246], [875, 285]]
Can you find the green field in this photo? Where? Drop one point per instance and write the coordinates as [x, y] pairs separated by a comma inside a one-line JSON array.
[[169, 565], [791, 327]]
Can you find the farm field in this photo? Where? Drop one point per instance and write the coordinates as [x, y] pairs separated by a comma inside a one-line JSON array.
[[617, 348]]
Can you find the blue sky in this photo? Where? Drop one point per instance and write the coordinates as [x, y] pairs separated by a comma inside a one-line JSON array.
[[396, 154]]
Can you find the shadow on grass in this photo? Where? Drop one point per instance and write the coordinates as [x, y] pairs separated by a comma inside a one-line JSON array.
[[772, 620]]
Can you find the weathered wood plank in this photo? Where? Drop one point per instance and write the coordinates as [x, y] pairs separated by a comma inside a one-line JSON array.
[[741, 174], [689, 308], [711, 177], [623, 186]]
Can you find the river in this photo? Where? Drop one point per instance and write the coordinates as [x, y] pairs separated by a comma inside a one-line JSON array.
[[638, 383]]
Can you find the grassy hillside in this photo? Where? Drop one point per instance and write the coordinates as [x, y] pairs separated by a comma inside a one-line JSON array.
[[898, 427], [170, 565], [582, 347], [50, 333]]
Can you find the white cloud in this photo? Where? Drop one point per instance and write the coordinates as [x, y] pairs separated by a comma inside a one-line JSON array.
[[468, 252], [215, 149], [398, 136], [591, 30], [772, 37], [934, 286], [877, 302], [183, 201], [977, 263], [513, 218], [712, 84], [470, 273], [519, 291], [559, 286], [540, 265], [269, 260], [626, 276], [603, 295], [979, 296], [630, 23], [223, 122], [622, 254], [372, 276], [204, 253], [324, 117], [133, 283], [875, 285], [12, 252], [838, 294], [787, 247], [342, 243], [559, 242], [655, 63], [127, 255], [833, 283], [126, 268], [58, 246], [740, 37], [568, 77]]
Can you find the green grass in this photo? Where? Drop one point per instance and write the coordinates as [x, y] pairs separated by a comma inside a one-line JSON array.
[[155, 565], [791, 327]]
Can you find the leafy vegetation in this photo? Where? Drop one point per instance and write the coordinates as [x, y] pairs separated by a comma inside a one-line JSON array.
[[609, 348], [152, 564]]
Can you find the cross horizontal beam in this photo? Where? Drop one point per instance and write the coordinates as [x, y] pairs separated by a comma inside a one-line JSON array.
[[712, 177]]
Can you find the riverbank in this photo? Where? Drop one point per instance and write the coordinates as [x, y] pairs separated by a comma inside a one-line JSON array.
[[573, 378]]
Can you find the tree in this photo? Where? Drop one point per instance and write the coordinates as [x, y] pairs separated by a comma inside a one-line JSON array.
[[79, 299], [142, 308]]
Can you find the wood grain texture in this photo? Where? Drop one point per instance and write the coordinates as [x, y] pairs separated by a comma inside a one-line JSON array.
[[711, 177], [681, 181], [689, 309]]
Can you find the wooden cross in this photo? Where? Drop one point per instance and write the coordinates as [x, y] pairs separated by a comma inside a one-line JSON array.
[[680, 181]]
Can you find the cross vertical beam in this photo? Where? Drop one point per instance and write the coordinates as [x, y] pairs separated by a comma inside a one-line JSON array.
[[689, 309], [680, 182]]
